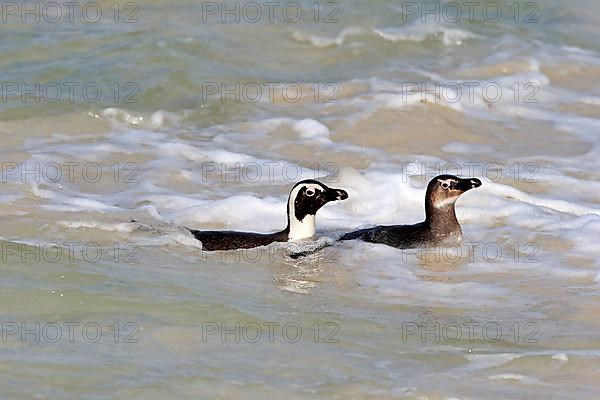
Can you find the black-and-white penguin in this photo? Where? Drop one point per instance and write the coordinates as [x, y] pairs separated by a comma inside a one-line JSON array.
[[440, 225], [306, 198]]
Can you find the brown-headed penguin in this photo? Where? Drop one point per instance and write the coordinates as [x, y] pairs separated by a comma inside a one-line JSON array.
[[440, 225]]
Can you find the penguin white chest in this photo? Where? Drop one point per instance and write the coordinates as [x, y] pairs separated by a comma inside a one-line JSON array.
[[302, 230]]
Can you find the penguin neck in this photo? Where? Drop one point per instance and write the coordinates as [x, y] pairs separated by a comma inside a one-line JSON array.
[[441, 219], [299, 229]]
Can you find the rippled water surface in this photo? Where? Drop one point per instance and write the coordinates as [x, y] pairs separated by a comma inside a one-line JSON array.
[[351, 98]]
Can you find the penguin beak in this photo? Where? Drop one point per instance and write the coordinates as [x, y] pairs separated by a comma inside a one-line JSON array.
[[468, 184], [336, 194]]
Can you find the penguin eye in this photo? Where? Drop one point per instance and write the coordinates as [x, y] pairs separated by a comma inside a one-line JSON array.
[[310, 192], [445, 185]]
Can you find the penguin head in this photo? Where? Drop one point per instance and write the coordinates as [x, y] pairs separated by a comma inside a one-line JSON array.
[[444, 190], [309, 195], [306, 198]]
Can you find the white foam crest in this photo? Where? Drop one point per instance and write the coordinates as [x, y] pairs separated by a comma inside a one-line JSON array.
[[124, 118], [308, 247], [70, 202], [527, 380], [311, 132], [193, 153], [582, 126], [239, 212], [171, 152], [79, 204], [486, 361], [103, 226], [419, 32], [321, 41], [312, 129], [491, 97], [594, 101], [582, 232], [560, 357], [467, 148], [413, 32], [380, 196], [556, 205], [217, 162]]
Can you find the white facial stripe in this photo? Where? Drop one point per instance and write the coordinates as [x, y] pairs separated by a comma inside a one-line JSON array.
[[306, 228], [311, 186]]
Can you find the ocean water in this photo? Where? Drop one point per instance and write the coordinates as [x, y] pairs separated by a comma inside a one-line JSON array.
[[191, 114]]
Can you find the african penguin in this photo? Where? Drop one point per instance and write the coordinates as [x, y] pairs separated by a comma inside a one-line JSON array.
[[440, 225], [305, 199]]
